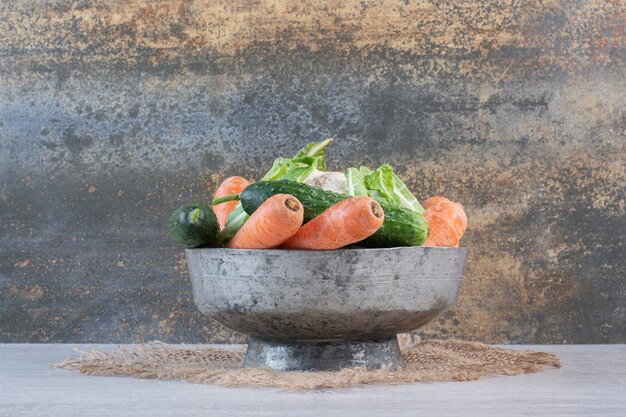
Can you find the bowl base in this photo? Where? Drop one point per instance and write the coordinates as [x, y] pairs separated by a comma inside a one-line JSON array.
[[311, 355]]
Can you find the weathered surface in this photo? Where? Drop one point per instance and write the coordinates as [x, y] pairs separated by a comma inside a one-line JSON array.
[[114, 113], [345, 294]]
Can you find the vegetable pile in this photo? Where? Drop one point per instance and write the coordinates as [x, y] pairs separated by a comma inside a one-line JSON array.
[[299, 205]]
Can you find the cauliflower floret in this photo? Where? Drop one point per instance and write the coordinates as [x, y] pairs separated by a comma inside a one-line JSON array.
[[331, 181]]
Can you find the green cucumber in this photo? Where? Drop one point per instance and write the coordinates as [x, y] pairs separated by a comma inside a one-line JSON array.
[[402, 227], [193, 225]]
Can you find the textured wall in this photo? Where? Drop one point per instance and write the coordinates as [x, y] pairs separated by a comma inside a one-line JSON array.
[[113, 113]]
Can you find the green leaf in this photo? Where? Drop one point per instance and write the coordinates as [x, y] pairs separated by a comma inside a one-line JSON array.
[[365, 171], [407, 199], [384, 185], [278, 169], [317, 150], [300, 168], [355, 182], [380, 181]]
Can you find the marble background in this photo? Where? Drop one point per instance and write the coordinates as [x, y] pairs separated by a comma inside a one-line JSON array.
[[113, 113]]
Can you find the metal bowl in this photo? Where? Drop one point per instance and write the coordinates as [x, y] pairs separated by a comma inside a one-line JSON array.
[[323, 310]]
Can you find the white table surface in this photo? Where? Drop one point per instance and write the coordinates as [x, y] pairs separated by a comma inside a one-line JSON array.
[[592, 382]]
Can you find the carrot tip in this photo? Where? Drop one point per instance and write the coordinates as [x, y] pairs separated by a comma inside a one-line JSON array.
[[292, 204], [376, 209]]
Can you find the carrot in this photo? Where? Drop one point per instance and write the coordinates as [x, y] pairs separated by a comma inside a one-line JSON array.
[[231, 185], [434, 201], [276, 220], [344, 223], [447, 222]]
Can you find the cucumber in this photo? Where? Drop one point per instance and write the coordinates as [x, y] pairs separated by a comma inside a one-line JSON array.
[[402, 227], [193, 225]]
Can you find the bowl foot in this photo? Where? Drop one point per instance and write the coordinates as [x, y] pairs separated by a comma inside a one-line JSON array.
[[288, 355]]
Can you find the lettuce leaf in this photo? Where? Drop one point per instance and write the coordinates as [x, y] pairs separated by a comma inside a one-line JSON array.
[[301, 168], [355, 182], [298, 168], [382, 185], [316, 150], [278, 170]]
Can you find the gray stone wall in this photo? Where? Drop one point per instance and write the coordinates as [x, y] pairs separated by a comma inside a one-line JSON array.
[[114, 113]]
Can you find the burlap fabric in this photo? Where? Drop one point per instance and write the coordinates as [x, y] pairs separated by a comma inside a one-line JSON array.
[[430, 360]]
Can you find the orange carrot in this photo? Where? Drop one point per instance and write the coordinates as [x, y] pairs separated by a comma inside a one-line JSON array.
[[342, 224], [433, 201], [447, 222], [276, 220], [231, 185]]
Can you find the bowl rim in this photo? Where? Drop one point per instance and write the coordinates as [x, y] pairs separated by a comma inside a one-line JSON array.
[[425, 249]]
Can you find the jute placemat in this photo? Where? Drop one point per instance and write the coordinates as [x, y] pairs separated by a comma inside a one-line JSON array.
[[425, 361]]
